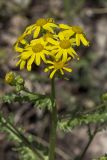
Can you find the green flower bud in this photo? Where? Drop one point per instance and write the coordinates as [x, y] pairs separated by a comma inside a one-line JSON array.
[[19, 80], [10, 78]]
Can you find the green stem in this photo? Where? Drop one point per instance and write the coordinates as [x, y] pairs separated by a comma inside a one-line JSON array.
[[54, 123]]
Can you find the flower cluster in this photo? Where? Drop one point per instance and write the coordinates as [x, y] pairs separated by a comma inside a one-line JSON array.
[[51, 43]]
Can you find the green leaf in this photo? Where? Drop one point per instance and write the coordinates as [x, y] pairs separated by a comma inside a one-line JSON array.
[[99, 116], [39, 100]]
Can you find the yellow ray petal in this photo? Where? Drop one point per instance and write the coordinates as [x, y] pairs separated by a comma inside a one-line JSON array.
[[22, 64], [43, 58], [61, 36], [37, 59], [48, 68], [64, 58], [67, 69], [29, 29], [68, 33], [73, 51], [23, 41], [50, 62], [64, 26], [48, 28], [84, 40], [51, 47], [17, 64], [30, 61], [26, 55], [62, 72], [73, 41], [78, 39], [52, 73], [17, 48], [52, 25], [58, 55], [52, 41], [36, 32]]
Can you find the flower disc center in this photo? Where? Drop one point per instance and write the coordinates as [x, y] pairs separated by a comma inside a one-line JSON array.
[[58, 65], [37, 48], [40, 22], [65, 44]]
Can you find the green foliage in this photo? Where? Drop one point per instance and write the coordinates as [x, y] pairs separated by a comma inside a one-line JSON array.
[[24, 146], [25, 153], [41, 101], [99, 115], [102, 157]]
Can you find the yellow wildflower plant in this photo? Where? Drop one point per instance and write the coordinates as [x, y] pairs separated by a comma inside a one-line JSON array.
[[33, 53], [78, 31], [49, 43], [57, 65]]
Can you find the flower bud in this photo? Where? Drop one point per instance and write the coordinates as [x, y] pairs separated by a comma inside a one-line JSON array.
[[10, 78], [19, 80]]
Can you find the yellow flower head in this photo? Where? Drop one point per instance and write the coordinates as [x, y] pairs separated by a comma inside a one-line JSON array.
[[33, 53], [57, 65], [80, 36], [41, 24], [63, 47], [78, 31]]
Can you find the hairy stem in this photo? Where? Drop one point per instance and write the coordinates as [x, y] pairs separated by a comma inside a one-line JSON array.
[[54, 123]]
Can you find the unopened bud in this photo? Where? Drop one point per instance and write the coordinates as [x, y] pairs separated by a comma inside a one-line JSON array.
[[19, 80], [10, 78]]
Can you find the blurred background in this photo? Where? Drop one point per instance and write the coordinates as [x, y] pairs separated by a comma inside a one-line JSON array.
[[86, 83]]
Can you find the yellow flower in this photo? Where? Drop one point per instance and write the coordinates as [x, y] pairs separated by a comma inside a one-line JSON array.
[[42, 23], [78, 31], [33, 53], [62, 47], [80, 36], [56, 66]]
